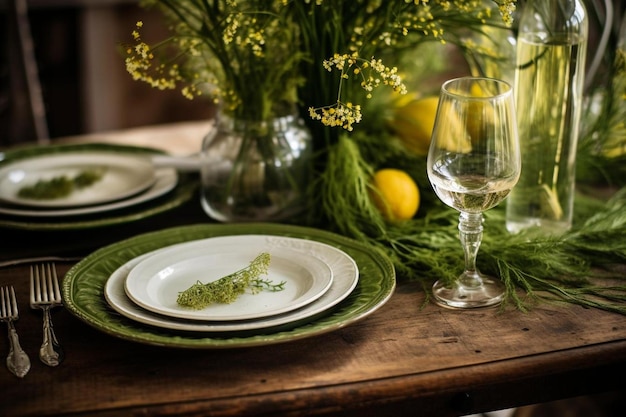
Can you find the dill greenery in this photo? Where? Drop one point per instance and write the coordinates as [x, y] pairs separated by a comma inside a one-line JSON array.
[[579, 267], [60, 186], [227, 289]]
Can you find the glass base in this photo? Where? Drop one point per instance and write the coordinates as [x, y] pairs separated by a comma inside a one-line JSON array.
[[488, 293]]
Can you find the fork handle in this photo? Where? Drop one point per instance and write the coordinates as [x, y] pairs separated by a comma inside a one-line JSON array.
[[50, 352], [17, 361]]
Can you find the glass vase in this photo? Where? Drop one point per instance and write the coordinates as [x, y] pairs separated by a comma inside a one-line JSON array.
[[255, 170]]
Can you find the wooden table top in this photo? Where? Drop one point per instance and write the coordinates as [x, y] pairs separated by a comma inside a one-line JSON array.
[[404, 359]]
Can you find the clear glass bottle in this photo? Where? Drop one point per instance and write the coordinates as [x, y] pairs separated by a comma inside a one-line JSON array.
[[256, 170], [549, 78]]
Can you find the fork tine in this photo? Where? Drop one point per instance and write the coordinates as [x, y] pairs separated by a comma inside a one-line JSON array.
[[34, 285], [14, 311], [44, 286], [45, 278], [3, 311], [9, 304], [55, 291]]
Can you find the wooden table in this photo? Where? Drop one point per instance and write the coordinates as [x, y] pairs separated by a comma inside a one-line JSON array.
[[401, 360]]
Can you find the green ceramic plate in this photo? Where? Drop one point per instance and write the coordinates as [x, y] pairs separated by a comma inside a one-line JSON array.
[[182, 193], [84, 283]]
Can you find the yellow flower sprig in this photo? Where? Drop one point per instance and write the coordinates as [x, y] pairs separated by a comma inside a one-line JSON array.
[[340, 114], [140, 64], [372, 74]]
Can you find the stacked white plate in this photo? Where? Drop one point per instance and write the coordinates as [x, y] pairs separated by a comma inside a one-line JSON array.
[[126, 180], [316, 277]]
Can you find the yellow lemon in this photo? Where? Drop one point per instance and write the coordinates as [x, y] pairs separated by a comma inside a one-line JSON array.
[[413, 123], [398, 196]]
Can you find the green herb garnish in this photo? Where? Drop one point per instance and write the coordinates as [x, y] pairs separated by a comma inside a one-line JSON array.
[[227, 289], [61, 186]]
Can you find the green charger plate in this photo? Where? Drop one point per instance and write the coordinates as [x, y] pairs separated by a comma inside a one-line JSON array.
[[83, 288], [182, 193]]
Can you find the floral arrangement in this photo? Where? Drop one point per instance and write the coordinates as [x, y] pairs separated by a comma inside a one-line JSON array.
[[259, 58], [344, 65]]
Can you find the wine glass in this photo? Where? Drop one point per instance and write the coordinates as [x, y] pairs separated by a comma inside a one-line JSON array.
[[473, 162]]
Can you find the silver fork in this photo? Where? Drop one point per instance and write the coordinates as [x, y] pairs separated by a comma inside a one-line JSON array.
[[45, 294], [17, 361]]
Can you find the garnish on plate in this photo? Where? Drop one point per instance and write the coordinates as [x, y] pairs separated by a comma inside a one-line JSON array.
[[60, 186], [227, 289]]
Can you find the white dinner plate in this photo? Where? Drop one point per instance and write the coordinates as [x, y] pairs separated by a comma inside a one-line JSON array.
[[345, 278], [155, 283], [122, 176], [166, 180]]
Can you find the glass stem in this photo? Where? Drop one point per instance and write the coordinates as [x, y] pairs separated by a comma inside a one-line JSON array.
[[471, 234]]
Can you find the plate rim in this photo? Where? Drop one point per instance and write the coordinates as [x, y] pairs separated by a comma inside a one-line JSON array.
[[376, 284], [73, 157], [138, 297]]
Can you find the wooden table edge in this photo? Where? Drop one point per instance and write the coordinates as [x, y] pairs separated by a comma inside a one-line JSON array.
[[448, 392]]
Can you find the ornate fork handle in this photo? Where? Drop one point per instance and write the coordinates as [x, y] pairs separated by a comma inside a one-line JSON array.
[[17, 361], [50, 352]]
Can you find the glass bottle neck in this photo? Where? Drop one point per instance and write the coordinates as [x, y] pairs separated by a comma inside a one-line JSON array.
[[554, 21]]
